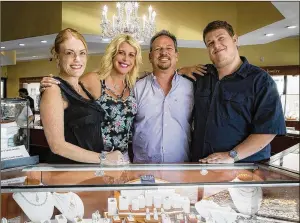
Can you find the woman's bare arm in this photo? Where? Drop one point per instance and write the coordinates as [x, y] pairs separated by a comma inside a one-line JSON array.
[[92, 83], [52, 115]]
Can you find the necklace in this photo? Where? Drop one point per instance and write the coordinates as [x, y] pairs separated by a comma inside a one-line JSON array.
[[77, 89], [72, 203], [119, 96], [96, 217], [37, 199], [247, 192], [116, 86]]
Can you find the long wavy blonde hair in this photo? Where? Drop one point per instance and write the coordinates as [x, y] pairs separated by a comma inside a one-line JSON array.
[[106, 64]]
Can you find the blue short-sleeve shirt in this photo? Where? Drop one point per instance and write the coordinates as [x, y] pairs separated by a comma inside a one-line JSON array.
[[227, 111]]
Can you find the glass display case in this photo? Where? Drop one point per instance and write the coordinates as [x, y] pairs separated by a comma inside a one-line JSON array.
[[288, 89], [150, 193], [15, 115], [287, 159]]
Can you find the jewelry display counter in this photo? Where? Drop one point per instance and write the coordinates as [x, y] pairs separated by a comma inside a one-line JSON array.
[[152, 193], [287, 159]]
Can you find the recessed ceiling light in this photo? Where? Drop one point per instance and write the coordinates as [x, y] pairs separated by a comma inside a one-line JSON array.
[[21, 44], [105, 39], [291, 27], [269, 34], [2, 47], [43, 41]]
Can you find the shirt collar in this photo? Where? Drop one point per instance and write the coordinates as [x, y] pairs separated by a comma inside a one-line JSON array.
[[174, 80], [242, 71]]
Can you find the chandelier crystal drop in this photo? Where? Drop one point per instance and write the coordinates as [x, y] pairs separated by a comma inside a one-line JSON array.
[[126, 20]]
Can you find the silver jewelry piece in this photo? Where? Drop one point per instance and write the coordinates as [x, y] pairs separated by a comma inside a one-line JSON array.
[[72, 205], [147, 214], [99, 173], [155, 214], [36, 198], [96, 217]]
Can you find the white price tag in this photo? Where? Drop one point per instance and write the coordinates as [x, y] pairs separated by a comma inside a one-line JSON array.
[[16, 180], [15, 152], [15, 220]]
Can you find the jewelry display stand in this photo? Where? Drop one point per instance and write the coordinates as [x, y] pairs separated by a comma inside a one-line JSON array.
[[247, 200], [69, 204], [4, 220], [38, 206], [209, 209]]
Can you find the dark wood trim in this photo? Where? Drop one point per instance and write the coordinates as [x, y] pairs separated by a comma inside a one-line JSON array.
[[292, 123], [29, 80], [283, 70], [4, 79]]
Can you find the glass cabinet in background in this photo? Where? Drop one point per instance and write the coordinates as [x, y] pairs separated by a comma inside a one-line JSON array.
[[14, 125], [151, 193], [288, 88]]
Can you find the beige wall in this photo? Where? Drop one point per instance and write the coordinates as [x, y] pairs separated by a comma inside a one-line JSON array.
[[27, 69], [252, 16], [27, 19], [278, 53], [4, 71], [281, 52]]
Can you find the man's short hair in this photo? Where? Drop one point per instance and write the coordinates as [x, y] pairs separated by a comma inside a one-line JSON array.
[[23, 90], [218, 25], [163, 33]]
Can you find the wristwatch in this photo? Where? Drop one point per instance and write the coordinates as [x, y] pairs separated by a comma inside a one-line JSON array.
[[233, 154], [102, 157]]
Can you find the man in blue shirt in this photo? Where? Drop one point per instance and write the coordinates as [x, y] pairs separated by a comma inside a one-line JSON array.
[[165, 103], [237, 106]]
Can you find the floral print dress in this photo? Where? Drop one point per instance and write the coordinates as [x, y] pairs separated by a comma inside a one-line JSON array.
[[118, 120]]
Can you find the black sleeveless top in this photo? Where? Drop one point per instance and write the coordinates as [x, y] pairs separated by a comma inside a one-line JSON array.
[[82, 122]]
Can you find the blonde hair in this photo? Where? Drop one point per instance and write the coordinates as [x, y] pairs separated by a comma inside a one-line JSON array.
[[106, 64], [62, 36]]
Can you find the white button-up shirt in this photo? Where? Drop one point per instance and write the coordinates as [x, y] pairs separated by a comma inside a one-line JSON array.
[[163, 122]]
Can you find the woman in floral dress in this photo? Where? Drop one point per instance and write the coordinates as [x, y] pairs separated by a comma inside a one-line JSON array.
[[112, 88]]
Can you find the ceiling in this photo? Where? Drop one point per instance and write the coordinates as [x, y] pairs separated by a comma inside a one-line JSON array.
[[34, 49]]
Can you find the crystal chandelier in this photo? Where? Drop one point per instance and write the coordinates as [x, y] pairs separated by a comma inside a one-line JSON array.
[[127, 21]]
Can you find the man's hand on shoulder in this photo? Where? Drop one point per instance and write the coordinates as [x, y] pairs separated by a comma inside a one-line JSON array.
[[198, 69], [48, 82], [89, 78]]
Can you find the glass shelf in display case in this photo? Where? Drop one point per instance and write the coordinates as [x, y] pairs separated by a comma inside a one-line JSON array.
[[173, 193]]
